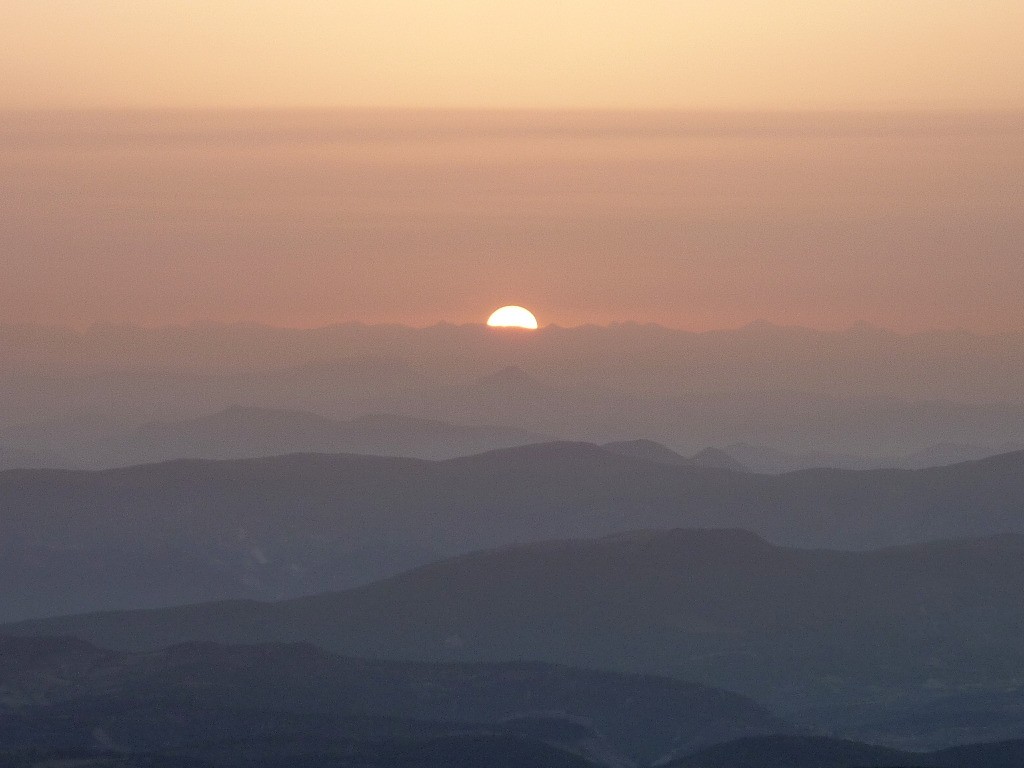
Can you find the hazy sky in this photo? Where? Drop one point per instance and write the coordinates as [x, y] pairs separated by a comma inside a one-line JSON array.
[[747, 54], [694, 221], [659, 209]]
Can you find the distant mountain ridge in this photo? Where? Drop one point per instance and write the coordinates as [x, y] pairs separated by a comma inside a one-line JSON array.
[[254, 432], [858, 393], [650, 450], [860, 361], [772, 460], [248, 432], [269, 528]]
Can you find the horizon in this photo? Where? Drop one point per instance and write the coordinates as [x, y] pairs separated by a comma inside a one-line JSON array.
[[758, 323]]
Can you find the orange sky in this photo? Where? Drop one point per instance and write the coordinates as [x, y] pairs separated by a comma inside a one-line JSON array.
[[690, 220], [661, 209], [688, 54]]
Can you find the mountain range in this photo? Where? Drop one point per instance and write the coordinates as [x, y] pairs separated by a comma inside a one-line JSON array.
[[861, 361], [816, 752], [862, 393], [760, 458], [191, 531], [892, 645], [238, 432], [64, 692], [250, 432], [200, 705]]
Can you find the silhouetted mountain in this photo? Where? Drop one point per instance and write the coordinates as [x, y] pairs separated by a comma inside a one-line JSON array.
[[294, 741], [647, 450], [191, 531], [656, 452], [858, 362], [771, 460], [58, 692], [54, 411], [254, 432], [807, 631], [810, 752], [799, 752], [944, 454], [762, 458], [947, 716], [853, 393]]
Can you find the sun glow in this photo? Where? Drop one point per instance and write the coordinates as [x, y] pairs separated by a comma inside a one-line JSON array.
[[512, 317]]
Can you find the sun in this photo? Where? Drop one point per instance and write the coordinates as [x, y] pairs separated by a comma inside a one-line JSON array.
[[512, 317]]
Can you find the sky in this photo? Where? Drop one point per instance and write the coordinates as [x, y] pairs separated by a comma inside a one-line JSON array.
[[688, 220], [695, 164], [614, 54]]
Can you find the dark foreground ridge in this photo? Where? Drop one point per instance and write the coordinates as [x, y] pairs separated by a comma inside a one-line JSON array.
[[68, 703], [61, 693], [809, 752], [891, 644], [380, 749]]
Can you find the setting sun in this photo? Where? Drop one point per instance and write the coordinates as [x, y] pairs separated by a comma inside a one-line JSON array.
[[512, 317]]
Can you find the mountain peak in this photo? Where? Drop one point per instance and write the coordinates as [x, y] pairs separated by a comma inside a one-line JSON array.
[[649, 450]]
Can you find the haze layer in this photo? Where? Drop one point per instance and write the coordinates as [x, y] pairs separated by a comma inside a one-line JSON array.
[[691, 220]]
